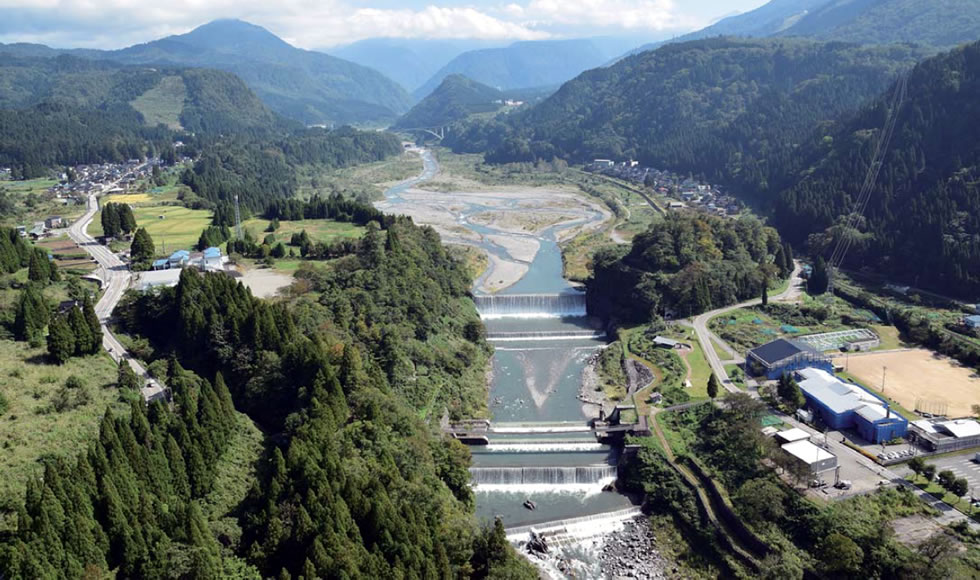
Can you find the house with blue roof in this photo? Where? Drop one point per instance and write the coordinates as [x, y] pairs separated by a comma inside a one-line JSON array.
[[972, 322], [179, 259]]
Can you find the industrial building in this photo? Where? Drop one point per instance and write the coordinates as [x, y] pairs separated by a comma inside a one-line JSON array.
[[843, 405], [817, 459], [942, 435], [781, 356]]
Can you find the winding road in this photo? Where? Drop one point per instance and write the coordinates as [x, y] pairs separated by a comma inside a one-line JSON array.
[[116, 277], [705, 336]]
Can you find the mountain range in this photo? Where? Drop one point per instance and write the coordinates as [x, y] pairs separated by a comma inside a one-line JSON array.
[[308, 86], [410, 62], [936, 23], [521, 65]]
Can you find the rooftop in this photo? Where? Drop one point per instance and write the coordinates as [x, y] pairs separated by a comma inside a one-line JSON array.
[[807, 452], [960, 427], [794, 434], [212, 253], [780, 349], [837, 395]]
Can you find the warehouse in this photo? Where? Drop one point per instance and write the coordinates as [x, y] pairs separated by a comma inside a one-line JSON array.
[[781, 356], [817, 459], [843, 406], [943, 435]]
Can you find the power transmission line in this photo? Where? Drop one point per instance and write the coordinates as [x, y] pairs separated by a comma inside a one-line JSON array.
[[846, 238]]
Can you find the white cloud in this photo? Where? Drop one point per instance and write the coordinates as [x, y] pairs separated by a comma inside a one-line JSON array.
[[625, 14], [312, 23]]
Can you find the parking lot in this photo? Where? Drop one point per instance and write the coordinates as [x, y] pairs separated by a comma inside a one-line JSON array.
[[961, 464]]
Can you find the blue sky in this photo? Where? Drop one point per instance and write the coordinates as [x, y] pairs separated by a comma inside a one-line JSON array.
[[322, 23]]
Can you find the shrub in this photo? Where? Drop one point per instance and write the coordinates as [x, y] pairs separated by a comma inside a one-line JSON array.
[[73, 382]]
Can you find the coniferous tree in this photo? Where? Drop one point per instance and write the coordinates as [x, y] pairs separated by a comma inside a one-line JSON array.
[[713, 386], [819, 278], [142, 249], [127, 221], [81, 331], [127, 378], [38, 269], [94, 326], [110, 220], [31, 315], [61, 340]]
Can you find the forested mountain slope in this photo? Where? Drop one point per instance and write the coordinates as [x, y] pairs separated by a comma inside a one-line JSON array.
[[456, 98], [923, 220], [731, 110], [521, 65], [66, 110], [310, 87], [938, 23]]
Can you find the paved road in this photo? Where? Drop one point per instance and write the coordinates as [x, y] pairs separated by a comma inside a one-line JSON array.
[[705, 336], [116, 278]]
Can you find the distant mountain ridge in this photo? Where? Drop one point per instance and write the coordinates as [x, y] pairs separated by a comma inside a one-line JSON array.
[[408, 61], [521, 65], [311, 87], [456, 98], [936, 23]]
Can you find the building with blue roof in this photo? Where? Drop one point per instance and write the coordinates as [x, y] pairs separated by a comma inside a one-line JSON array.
[[972, 322], [843, 405], [179, 259]]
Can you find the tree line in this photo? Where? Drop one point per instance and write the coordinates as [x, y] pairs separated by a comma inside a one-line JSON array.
[[686, 265]]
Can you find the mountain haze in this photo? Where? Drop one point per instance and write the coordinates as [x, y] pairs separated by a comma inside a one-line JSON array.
[[521, 65], [408, 61]]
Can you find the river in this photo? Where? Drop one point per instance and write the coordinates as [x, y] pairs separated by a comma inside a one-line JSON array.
[[540, 448]]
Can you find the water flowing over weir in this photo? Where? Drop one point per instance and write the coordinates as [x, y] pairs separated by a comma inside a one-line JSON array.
[[565, 305], [556, 475], [545, 335]]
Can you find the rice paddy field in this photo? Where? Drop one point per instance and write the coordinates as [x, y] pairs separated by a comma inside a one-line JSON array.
[[172, 227]]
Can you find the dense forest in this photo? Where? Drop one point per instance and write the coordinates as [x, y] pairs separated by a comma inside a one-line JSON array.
[[922, 223], [354, 483], [729, 110], [686, 265], [456, 98], [261, 170]]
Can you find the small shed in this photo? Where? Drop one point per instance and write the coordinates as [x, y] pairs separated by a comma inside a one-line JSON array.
[[817, 459]]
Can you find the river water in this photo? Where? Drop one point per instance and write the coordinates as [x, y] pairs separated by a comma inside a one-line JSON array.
[[540, 448]]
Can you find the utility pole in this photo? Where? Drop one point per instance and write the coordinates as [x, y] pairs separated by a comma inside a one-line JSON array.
[[883, 369], [238, 220]]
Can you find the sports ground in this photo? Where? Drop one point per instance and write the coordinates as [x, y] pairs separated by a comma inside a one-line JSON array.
[[918, 379]]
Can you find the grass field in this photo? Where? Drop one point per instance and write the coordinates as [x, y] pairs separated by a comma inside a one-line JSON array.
[[319, 230], [179, 229], [162, 104], [30, 429], [918, 375]]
